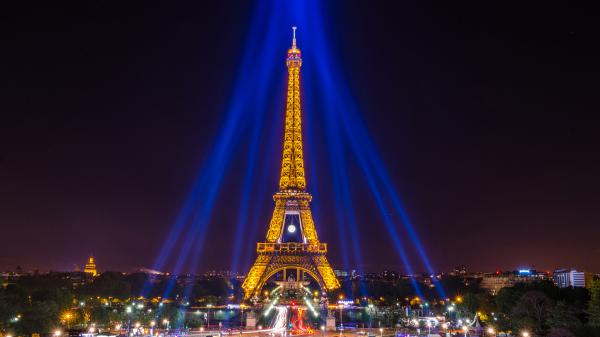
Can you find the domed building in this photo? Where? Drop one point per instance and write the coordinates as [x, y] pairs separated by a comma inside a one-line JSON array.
[[90, 267]]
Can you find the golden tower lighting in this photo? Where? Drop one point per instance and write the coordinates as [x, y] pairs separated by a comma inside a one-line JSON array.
[[90, 267], [292, 243]]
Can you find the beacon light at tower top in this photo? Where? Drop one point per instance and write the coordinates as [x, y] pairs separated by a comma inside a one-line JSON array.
[[292, 245]]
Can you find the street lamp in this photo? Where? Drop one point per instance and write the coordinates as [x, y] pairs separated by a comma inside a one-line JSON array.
[[241, 317], [166, 323], [57, 333], [428, 328], [370, 307], [67, 318], [491, 331], [525, 334], [322, 330], [341, 306], [465, 330], [208, 316], [380, 332], [128, 310]]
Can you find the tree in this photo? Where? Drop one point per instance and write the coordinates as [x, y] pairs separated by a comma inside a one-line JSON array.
[[506, 299], [532, 310], [560, 332], [470, 305], [41, 317], [563, 315], [12, 301], [100, 315], [107, 284], [593, 308]]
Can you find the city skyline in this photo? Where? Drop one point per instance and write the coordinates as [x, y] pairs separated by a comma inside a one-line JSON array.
[[486, 126]]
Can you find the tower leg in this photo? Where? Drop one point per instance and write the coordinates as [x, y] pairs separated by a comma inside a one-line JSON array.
[[255, 275]]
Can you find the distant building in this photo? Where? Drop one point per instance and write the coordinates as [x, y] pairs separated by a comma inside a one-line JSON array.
[[459, 270], [569, 278], [90, 267], [389, 275], [493, 283], [340, 273]]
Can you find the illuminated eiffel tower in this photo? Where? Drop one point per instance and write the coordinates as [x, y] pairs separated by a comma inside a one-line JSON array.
[[292, 243]]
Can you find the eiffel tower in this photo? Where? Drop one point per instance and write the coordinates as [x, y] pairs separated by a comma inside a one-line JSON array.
[[292, 246]]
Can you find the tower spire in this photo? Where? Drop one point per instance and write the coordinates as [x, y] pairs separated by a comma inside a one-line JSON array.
[[294, 37], [292, 163]]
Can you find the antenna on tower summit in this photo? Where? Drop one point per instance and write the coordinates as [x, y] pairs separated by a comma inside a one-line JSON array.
[[294, 36]]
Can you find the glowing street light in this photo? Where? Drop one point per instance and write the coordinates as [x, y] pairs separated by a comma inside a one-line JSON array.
[[57, 333], [380, 331], [67, 316], [465, 329], [341, 307], [491, 331], [525, 334], [208, 316], [370, 312], [152, 324]]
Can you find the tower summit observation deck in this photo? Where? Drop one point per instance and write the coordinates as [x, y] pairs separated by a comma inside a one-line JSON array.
[[292, 243]]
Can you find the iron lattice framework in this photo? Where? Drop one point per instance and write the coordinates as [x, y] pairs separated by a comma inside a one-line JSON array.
[[307, 255]]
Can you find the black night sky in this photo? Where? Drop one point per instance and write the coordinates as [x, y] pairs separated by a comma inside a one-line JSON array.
[[487, 118]]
